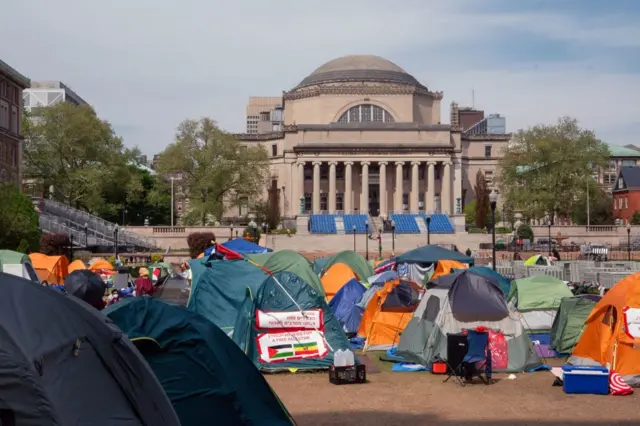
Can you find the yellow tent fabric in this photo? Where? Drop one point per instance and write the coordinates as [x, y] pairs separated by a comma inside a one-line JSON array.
[[201, 255], [444, 267], [336, 276], [77, 265], [101, 264], [52, 269]]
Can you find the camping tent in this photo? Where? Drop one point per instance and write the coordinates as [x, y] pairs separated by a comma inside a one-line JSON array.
[[537, 260], [344, 306], [387, 314], [77, 265], [64, 363], [336, 276], [98, 265], [432, 254], [319, 263], [290, 261], [355, 261], [462, 301], [18, 264], [569, 322], [612, 332], [52, 269], [503, 283], [242, 246], [382, 277], [220, 290], [287, 325], [444, 267], [203, 372]]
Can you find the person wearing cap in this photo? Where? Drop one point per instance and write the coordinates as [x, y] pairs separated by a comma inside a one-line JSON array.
[[144, 285]]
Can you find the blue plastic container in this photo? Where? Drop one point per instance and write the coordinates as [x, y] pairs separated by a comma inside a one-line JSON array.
[[585, 379]]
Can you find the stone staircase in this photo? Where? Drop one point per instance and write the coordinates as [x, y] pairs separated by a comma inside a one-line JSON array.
[[421, 224], [339, 225], [376, 224]]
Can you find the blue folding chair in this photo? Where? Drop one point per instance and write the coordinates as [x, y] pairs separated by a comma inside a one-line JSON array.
[[477, 361]]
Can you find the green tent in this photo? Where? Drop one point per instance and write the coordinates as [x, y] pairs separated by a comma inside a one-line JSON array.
[[220, 289], [569, 322], [538, 292], [287, 325], [291, 261], [432, 254], [537, 260], [18, 264], [10, 257], [352, 259], [207, 378]]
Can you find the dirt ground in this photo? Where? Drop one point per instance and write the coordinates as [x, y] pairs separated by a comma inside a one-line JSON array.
[[418, 398]]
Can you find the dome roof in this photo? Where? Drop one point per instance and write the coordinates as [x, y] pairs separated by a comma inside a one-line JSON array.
[[359, 68]]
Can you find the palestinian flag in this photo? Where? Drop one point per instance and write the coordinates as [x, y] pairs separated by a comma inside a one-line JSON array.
[[280, 351], [310, 348]]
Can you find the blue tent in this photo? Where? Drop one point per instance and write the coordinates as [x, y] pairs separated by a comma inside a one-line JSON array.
[[493, 276], [243, 246], [344, 306]]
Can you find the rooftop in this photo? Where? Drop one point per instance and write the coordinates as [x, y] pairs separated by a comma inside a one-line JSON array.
[[6, 69], [621, 151]]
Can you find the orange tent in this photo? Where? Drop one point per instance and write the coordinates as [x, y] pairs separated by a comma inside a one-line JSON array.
[[388, 313], [336, 276], [613, 329], [77, 265], [444, 267], [52, 269], [101, 264]]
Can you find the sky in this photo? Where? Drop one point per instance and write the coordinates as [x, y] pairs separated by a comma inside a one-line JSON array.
[[147, 65]]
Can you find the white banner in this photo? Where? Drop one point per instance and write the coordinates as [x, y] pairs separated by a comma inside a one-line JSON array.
[[306, 320], [280, 346], [632, 319]]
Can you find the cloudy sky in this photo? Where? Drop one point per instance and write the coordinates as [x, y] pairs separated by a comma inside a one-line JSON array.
[[145, 65]]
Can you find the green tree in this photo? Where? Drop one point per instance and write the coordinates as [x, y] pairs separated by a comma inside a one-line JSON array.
[[482, 200], [215, 168], [71, 148], [19, 227], [544, 168], [600, 207], [470, 213], [635, 219]]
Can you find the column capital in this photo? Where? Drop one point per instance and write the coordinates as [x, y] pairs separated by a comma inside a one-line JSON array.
[[317, 163], [301, 163], [416, 163], [382, 163], [365, 163], [447, 163], [399, 163], [431, 163], [348, 163], [333, 163]]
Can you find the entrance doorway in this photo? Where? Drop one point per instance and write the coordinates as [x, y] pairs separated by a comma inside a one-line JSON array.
[[374, 200]]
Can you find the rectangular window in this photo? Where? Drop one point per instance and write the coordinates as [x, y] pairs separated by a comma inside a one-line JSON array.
[[13, 125], [405, 173], [629, 163], [615, 204], [307, 201], [488, 177], [612, 165], [323, 202], [405, 201], [308, 173], [274, 150], [421, 172], [487, 151], [437, 172], [340, 171], [4, 115], [339, 201], [626, 203], [620, 203], [324, 172]]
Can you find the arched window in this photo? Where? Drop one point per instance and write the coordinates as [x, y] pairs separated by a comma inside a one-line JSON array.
[[366, 113]]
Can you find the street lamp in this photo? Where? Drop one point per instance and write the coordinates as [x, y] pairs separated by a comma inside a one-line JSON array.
[[366, 238], [493, 200], [629, 243], [380, 244], [428, 228], [86, 234], [115, 241], [549, 225], [393, 236], [231, 233], [354, 237]]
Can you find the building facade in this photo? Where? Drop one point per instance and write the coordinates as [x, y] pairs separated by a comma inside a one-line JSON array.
[[259, 112], [361, 135], [12, 83], [626, 194], [620, 157], [47, 93]]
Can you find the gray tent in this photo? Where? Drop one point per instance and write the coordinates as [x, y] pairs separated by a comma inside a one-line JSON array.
[[463, 301], [64, 363]]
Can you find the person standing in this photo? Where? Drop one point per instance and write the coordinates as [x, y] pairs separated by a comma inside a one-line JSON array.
[[144, 285]]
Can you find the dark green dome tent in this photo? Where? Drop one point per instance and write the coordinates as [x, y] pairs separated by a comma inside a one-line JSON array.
[[207, 377], [64, 363]]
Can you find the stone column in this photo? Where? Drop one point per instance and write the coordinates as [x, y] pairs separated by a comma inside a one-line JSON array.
[[364, 193], [332, 187], [383, 188], [413, 205], [300, 184], [431, 186], [316, 187], [445, 195], [348, 190], [397, 203]]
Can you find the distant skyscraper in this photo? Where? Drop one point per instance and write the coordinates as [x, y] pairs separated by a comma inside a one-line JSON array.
[[47, 93], [258, 106]]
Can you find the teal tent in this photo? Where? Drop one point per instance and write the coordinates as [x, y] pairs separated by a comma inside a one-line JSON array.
[[489, 273], [207, 378], [432, 254], [319, 264], [287, 325], [220, 287]]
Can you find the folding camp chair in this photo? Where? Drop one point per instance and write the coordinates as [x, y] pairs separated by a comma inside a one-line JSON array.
[[477, 361]]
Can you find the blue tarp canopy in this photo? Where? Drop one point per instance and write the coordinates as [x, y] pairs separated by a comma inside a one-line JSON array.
[[344, 306], [243, 246]]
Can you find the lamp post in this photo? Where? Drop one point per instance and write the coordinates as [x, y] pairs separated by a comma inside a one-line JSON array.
[[393, 237], [493, 200], [115, 242], [354, 237], [428, 229], [231, 233], [366, 238], [86, 234], [380, 244], [549, 225], [629, 243]]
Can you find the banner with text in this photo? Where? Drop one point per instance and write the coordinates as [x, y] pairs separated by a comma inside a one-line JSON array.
[[280, 346], [305, 320]]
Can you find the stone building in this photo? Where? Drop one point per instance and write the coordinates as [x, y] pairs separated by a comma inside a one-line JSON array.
[[363, 136]]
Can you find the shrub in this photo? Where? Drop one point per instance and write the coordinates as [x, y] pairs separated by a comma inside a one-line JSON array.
[[55, 244], [157, 257], [502, 230], [476, 231], [198, 242], [525, 232], [19, 224]]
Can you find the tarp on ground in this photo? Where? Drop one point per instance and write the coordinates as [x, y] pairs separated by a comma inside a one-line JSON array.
[[355, 261], [345, 308], [570, 322], [290, 261], [221, 288], [276, 336], [242, 246], [432, 253], [203, 372], [464, 301], [64, 363]]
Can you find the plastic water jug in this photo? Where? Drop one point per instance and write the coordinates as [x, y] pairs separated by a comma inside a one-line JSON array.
[[340, 358], [349, 358]]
